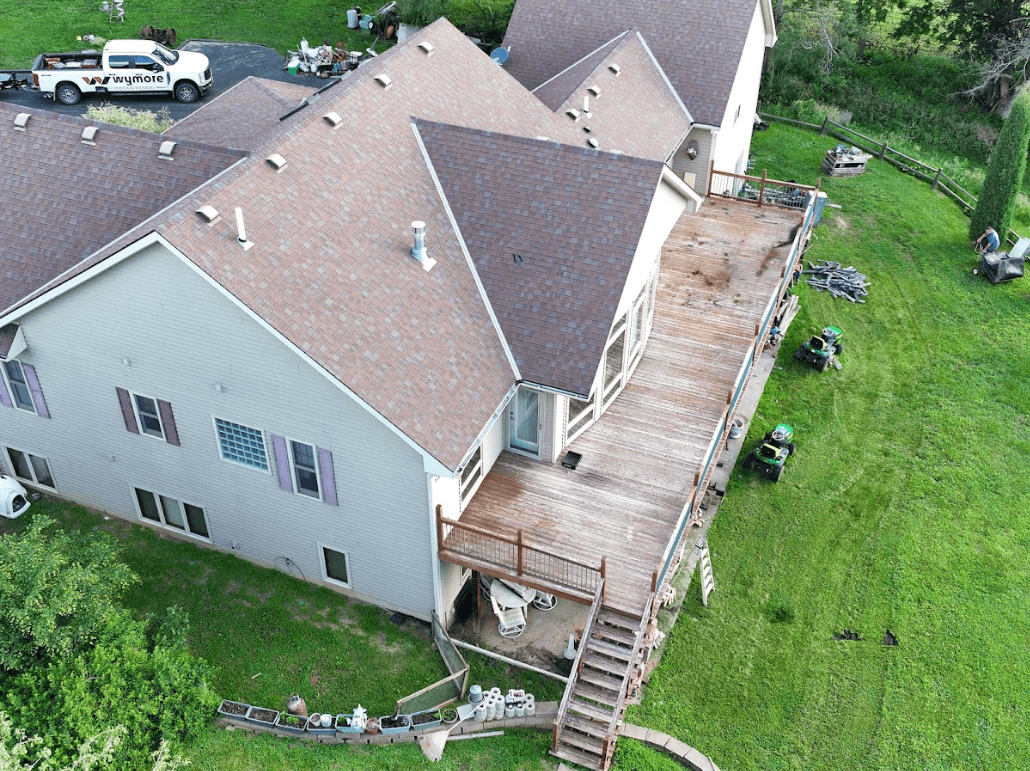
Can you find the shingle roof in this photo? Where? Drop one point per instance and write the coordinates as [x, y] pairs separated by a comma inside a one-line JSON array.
[[64, 199], [331, 268], [697, 42], [637, 111], [574, 218], [243, 115]]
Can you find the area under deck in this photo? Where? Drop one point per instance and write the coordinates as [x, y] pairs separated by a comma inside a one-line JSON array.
[[720, 269]]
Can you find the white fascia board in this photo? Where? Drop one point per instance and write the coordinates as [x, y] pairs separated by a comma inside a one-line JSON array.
[[665, 77], [669, 177], [769, 20], [465, 251], [431, 464]]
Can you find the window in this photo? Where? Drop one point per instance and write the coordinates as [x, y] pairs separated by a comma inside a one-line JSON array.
[[31, 468], [172, 513], [119, 62], [305, 472], [471, 474], [153, 417], [241, 444], [335, 565], [25, 388]]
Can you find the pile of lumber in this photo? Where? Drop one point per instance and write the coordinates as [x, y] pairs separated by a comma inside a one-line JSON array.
[[840, 282]]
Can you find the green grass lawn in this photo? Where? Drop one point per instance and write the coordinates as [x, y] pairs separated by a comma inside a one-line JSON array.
[[30, 27], [904, 509], [269, 635]]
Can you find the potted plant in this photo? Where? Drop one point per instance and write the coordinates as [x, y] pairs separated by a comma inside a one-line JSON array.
[[322, 725], [394, 724], [233, 710], [423, 721], [262, 716], [292, 724]]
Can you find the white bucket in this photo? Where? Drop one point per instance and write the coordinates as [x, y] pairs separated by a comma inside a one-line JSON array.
[[479, 713], [736, 428], [509, 710], [475, 694], [352, 18], [520, 709], [530, 706]]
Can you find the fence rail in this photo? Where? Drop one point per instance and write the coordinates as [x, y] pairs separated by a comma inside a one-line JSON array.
[[529, 565], [935, 176]]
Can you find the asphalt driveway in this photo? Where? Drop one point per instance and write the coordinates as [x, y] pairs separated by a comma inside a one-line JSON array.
[[230, 63]]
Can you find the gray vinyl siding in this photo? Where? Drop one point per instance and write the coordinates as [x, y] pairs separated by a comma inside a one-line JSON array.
[[701, 165], [182, 336]]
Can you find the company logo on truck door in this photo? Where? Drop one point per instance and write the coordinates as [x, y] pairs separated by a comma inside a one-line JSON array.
[[130, 80]]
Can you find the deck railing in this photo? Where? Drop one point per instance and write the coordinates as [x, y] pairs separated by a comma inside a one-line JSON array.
[[761, 191], [530, 565]]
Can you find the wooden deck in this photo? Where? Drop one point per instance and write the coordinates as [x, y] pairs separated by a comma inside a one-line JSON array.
[[720, 268]]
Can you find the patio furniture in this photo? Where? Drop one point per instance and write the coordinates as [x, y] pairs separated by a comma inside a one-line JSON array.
[[544, 601], [509, 597], [511, 621]]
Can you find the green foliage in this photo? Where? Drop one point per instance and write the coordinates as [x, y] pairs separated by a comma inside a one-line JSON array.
[[484, 19], [56, 592], [977, 26], [1004, 179], [144, 120], [421, 13]]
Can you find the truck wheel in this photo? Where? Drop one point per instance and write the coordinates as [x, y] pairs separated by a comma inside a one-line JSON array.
[[68, 93], [187, 92]]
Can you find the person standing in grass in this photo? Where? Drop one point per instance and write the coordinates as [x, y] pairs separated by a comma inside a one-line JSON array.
[[988, 242]]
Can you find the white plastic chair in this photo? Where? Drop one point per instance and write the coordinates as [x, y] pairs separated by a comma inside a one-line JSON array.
[[511, 621], [544, 601]]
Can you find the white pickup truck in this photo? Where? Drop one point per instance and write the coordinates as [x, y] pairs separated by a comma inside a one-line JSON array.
[[123, 67]]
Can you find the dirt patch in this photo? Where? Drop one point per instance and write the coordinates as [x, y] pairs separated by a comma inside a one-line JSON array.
[[841, 223]]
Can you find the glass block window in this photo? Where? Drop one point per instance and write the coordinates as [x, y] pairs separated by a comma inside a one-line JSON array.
[[242, 444]]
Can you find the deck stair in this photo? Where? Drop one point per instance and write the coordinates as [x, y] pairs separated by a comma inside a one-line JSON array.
[[608, 668]]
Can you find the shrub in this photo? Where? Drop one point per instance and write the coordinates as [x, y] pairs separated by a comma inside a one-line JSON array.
[[1004, 172], [144, 120]]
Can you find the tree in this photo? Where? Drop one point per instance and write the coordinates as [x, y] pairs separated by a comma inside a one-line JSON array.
[[56, 590], [1004, 171]]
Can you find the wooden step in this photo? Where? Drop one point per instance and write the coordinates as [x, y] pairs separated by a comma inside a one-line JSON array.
[[592, 711], [579, 758], [603, 696], [616, 618], [608, 649], [601, 680], [614, 634], [584, 725], [581, 742], [605, 664]]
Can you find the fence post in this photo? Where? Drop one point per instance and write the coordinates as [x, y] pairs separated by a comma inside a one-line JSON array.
[[937, 179], [519, 558], [883, 151], [822, 131], [761, 190]]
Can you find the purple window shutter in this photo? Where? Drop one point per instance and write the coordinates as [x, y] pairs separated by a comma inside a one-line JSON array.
[[5, 398], [282, 463], [168, 421], [127, 414], [37, 392], [325, 466]]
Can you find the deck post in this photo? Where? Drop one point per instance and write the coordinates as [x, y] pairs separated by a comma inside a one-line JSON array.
[[761, 190], [604, 578], [554, 736], [439, 526], [518, 557], [654, 581]]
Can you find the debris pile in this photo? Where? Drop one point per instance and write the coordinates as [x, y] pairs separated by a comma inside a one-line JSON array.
[[840, 282]]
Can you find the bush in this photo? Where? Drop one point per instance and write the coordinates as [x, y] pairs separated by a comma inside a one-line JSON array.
[[144, 120]]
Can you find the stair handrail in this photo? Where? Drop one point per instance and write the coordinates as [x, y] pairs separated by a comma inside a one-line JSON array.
[[577, 663], [612, 734]]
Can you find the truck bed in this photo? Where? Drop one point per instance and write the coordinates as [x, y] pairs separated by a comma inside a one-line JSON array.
[[83, 60]]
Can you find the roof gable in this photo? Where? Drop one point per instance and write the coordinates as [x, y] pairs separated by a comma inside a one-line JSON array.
[[697, 42], [552, 230], [64, 198]]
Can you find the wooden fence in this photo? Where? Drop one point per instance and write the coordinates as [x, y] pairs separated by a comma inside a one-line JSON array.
[[936, 177]]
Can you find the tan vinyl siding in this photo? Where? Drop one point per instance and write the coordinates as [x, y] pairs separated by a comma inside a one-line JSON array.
[[181, 337]]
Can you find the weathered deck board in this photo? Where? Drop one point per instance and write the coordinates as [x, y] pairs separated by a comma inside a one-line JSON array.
[[720, 269]]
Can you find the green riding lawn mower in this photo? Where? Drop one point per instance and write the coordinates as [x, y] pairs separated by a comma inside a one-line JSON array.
[[770, 456], [822, 350]]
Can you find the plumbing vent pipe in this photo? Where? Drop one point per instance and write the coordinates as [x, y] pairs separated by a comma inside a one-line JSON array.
[[418, 230], [242, 237]]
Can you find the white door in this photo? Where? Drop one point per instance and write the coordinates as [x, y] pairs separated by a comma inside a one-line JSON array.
[[523, 417]]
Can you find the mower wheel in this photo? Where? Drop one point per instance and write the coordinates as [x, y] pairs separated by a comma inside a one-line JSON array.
[[838, 348], [800, 354], [824, 364], [777, 473], [791, 448]]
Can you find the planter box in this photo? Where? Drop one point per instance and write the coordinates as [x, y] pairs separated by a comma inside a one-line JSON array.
[[262, 716], [291, 724], [343, 728], [394, 725], [234, 710], [423, 721], [319, 730]]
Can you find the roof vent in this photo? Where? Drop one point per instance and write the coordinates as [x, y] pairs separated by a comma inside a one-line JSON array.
[[21, 120], [276, 161], [384, 81], [427, 47], [167, 148], [89, 134], [209, 214], [333, 119], [586, 105], [242, 237], [418, 230], [615, 68], [592, 142], [595, 90], [573, 113]]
